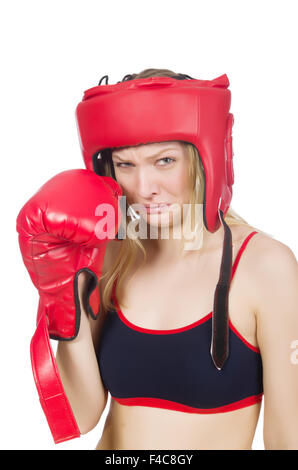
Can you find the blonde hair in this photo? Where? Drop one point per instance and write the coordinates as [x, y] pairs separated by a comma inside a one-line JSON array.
[[130, 245]]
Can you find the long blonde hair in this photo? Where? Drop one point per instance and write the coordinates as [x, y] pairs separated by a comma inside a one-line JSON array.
[[130, 246]]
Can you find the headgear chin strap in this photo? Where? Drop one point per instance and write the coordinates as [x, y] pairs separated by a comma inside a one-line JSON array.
[[160, 109]]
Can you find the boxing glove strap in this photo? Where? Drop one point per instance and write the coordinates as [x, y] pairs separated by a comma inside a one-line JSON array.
[[51, 393]]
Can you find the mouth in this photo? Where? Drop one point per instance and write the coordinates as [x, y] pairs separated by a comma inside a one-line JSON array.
[[156, 208]]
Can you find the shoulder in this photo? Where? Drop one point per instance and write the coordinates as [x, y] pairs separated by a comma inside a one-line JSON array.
[[277, 272], [263, 249], [267, 253], [267, 264], [272, 270]]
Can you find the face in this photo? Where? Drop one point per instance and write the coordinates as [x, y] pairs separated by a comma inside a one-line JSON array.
[[152, 174]]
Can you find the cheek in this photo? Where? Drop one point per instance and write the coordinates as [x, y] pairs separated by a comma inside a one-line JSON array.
[[122, 181], [178, 184], [126, 186]]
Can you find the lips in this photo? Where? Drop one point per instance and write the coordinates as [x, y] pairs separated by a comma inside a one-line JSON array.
[[156, 207]]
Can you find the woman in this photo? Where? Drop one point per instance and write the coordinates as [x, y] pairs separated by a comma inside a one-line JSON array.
[[157, 297]]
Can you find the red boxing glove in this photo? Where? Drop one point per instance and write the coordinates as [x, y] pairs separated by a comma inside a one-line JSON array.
[[63, 230]]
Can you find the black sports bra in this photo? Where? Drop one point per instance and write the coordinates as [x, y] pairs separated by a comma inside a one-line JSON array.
[[173, 369]]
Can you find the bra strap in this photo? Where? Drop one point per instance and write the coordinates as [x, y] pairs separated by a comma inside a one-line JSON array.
[[241, 250]]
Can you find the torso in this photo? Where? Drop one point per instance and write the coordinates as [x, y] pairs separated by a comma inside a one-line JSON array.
[[193, 282]]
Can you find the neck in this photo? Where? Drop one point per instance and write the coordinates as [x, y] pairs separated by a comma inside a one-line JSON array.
[[170, 249]]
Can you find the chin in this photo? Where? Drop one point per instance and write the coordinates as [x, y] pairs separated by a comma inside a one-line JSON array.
[[160, 220]]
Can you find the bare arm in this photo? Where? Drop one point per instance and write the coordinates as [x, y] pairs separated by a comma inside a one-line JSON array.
[[277, 329], [79, 371]]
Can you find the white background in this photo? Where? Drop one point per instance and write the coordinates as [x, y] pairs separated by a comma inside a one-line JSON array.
[[54, 50]]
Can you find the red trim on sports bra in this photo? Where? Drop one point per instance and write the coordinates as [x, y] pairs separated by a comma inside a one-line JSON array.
[[160, 332], [172, 405], [251, 346], [197, 322]]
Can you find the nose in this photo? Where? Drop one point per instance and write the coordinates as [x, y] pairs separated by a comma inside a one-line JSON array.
[[146, 184]]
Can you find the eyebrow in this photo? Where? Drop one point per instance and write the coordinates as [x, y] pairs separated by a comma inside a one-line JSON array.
[[152, 156]]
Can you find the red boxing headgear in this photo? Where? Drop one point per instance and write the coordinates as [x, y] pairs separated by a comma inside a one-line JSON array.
[[159, 109]]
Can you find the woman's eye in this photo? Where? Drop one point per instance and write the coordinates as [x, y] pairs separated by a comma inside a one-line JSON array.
[[161, 159], [167, 158], [119, 164]]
